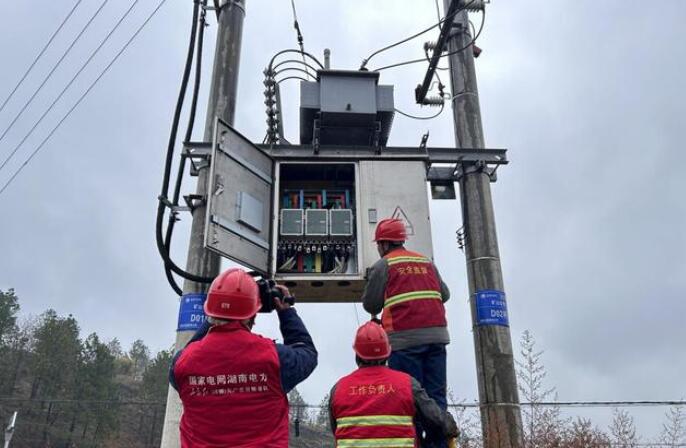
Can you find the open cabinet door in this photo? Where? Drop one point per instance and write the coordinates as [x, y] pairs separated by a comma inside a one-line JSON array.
[[239, 199]]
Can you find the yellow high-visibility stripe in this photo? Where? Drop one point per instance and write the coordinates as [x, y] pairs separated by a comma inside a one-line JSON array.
[[396, 260], [374, 420], [414, 295], [402, 442]]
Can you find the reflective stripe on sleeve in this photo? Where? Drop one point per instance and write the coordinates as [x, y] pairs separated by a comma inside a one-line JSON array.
[[374, 420], [404, 442], [414, 295]]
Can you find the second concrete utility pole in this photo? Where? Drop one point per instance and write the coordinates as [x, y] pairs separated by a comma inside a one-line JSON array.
[[500, 413]]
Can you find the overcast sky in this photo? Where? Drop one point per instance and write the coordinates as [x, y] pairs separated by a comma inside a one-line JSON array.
[[588, 96]]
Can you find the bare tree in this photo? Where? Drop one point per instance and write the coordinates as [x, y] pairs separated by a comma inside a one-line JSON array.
[[623, 430], [543, 426], [582, 434], [467, 422], [674, 429]]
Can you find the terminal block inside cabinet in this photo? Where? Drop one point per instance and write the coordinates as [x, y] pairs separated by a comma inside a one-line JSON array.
[[317, 208]]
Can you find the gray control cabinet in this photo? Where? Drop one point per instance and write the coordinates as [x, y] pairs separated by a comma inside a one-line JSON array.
[[248, 219]]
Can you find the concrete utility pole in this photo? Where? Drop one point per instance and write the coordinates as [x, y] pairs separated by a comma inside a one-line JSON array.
[[222, 104], [500, 413]]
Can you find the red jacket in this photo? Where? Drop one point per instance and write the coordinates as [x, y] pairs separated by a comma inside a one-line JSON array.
[[230, 386], [374, 406], [413, 293]]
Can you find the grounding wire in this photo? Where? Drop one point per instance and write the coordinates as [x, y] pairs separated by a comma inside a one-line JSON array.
[[69, 84], [81, 98], [415, 61], [159, 239], [40, 54], [430, 117], [55, 66], [407, 39], [189, 134]]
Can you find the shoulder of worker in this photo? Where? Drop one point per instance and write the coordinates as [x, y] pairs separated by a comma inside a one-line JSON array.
[[380, 265]]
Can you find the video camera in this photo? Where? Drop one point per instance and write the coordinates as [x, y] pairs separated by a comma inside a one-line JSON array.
[[268, 291]]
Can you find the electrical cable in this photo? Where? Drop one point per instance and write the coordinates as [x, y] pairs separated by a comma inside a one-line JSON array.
[[299, 36], [40, 54], [169, 158], [93, 84], [414, 61], [426, 30], [414, 117], [69, 84], [187, 138], [291, 77], [294, 61], [55, 66], [293, 50], [296, 69]]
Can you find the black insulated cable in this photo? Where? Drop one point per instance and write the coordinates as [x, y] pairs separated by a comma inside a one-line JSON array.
[[188, 137], [163, 200]]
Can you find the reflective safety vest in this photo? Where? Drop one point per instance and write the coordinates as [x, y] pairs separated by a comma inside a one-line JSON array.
[[374, 407], [413, 293], [230, 386]]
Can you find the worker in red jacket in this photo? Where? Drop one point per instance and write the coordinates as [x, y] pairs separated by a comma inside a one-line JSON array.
[[376, 406], [232, 382], [406, 288]]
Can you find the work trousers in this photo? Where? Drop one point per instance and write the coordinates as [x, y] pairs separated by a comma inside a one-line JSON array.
[[427, 364]]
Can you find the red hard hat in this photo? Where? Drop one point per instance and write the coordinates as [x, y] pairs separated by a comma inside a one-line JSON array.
[[233, 295], [371, 342], [390, 229]]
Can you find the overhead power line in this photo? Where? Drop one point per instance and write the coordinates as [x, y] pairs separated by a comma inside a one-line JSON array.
[[409, 38], [40, 54], [54, 67], [415, 61], [93, 84], [69, 84]]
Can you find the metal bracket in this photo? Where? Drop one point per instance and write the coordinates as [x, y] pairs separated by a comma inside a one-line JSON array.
[[422, 144], [193, 201], [316, 130], [376, 136], [197, 151]]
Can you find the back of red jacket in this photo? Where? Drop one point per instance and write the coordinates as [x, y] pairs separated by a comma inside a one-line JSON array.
[[230, 386], [374, 406]]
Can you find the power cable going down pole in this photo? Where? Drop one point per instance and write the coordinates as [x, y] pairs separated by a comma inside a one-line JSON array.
[[222, 104], [501, 424]]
